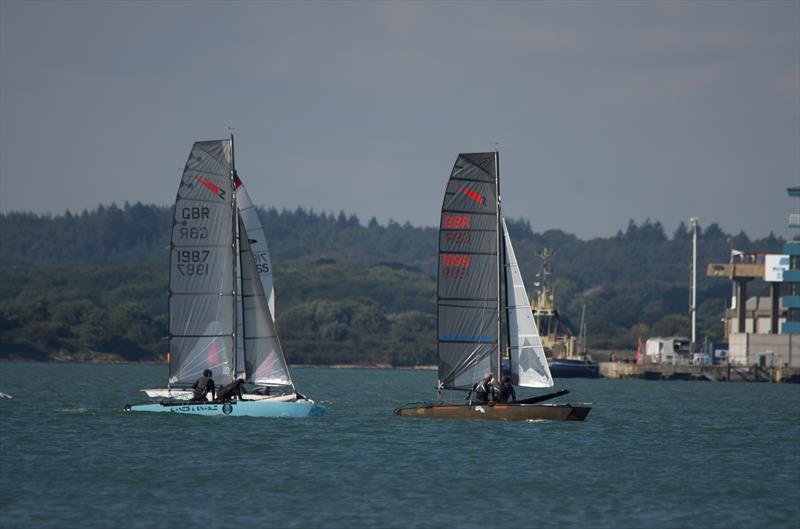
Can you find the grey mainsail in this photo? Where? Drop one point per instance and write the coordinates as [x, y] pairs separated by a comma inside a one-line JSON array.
[[264, 363], [468, 290], [201, 287]]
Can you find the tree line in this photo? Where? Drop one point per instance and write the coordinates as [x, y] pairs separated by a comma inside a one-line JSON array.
[[95, 283]]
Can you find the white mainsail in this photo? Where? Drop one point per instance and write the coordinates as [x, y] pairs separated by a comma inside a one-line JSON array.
[[201, 287], [221, 293], [220, 274], [528, 362]]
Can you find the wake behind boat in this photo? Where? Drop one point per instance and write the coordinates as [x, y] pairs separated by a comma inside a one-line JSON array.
[[478, 280], [220, 298]]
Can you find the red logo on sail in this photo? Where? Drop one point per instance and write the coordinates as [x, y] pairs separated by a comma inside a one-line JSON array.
[[213, 352], [477, 197], [211, 186]]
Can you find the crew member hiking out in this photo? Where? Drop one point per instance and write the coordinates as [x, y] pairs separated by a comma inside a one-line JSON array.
[[234, 389], [485, 390], [507, 393]]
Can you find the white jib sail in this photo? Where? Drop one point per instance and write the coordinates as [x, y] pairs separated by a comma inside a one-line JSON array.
[[264, 363], [258, 243], [528, 362]]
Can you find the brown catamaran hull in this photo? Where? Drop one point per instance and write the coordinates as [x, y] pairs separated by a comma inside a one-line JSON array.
[[498, 412]]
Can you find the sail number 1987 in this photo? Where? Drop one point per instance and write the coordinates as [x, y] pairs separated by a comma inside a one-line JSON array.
[[193, 262]]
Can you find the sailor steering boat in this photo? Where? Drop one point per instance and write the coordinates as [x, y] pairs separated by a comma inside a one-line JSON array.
[[484, 317], [221, 298]]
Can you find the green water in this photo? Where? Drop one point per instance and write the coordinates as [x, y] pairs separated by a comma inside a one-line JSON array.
[[651, 454]]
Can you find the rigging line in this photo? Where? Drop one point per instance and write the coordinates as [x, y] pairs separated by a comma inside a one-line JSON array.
[[201, 146], [192, 171], [459, 298], [467, 230], [471, 212], [490, 343], [199, 200], [460, 179], [230, 335], [215, 294], [451, 252], [467, 157], [174, 246]]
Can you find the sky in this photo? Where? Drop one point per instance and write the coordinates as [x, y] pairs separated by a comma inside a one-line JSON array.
[[603, 112]]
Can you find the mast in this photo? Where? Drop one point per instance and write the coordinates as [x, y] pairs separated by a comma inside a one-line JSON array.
[[499, 259], [240, 285], [235, 244], [693, 304], [582, 333]]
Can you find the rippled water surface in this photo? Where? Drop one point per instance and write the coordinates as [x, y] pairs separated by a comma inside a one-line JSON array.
[[651, 454]]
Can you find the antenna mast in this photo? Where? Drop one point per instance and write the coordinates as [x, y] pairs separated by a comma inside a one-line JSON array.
[[693, 302]]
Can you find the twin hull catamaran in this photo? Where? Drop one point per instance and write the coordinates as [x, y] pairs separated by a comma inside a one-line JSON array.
[[221, 299], [482, 304]]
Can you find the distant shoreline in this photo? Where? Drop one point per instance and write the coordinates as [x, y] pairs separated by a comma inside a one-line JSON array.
[[109, 361]]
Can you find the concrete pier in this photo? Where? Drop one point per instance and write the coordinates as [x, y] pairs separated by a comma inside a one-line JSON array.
[[718, 373]]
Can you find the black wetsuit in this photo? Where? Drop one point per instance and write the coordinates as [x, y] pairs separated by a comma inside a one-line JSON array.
[[484, 391], [202, 387], [228, 391], [507, 393]]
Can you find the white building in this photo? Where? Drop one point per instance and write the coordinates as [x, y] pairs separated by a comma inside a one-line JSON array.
[[673, 350]]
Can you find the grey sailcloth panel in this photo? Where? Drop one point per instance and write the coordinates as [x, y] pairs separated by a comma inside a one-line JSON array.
[[201, 288], [467, 297], [528, 362], [239, 355], [264, 363]]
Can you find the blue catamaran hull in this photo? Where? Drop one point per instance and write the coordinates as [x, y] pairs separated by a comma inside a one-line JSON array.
[[235, 408]]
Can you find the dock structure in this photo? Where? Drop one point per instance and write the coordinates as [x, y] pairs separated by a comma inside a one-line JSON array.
[[741, 270], [765, 332], [710, 373]]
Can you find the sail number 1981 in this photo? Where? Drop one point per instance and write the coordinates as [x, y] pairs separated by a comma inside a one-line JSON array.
[[193, 262]]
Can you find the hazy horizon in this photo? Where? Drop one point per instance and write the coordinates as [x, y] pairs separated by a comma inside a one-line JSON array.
[[668, 230]]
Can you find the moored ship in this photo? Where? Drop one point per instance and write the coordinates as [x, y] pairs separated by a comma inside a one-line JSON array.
[[566, 353]]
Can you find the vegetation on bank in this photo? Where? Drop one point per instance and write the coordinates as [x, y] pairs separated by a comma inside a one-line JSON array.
[[95, 284]]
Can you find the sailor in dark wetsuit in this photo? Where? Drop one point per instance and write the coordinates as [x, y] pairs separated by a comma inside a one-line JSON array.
[[507, 393], [485, 390], [234, 389], [203, 386]]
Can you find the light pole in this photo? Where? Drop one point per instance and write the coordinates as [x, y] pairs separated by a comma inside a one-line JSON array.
[[693, 305]]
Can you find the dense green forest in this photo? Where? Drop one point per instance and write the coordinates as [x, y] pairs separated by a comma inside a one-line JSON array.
[[94, 285]]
